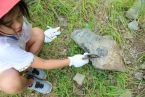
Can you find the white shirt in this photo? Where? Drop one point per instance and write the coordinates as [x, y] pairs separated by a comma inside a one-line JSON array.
[[12, 50]]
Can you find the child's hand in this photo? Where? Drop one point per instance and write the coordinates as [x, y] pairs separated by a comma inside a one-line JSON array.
[[51, 34], [78, 60]]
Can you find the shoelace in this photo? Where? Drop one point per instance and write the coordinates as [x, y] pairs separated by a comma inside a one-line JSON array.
[[35, 71], [39, 85]]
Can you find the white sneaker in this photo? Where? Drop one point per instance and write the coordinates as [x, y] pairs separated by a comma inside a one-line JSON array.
[[41, 86], [38, 73]]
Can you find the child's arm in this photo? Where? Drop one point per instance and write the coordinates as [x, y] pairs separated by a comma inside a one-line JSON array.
[[49, 64], [76, 61]]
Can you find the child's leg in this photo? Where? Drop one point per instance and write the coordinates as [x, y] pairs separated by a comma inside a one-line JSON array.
[[12, 82], [34, 45]]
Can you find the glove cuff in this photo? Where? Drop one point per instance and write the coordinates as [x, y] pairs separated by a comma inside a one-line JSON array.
[[70, 59]]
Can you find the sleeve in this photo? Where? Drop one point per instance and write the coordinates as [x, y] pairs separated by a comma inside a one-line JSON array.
[[15, 57]]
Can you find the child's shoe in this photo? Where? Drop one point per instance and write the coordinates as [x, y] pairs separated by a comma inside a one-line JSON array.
[[41, 86], [38, 73]]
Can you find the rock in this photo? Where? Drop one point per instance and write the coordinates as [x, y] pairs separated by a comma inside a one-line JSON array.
[[133, 25], [62, 21], [104, 46], [133, 12], [142, 66], [138, 75], [79, 78]]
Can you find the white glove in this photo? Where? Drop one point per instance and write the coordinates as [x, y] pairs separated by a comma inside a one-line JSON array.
[[78, 60], [51, 34]]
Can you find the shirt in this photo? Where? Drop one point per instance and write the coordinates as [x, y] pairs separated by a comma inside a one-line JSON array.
[[12, 50]]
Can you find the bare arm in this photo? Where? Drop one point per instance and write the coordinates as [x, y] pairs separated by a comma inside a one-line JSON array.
[[49, 64]]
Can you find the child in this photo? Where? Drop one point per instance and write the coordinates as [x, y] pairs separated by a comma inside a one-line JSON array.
[[19, 45]]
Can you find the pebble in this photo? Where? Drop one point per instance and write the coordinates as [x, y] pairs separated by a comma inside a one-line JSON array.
[[138, 75], [79, 78], [133, 25]]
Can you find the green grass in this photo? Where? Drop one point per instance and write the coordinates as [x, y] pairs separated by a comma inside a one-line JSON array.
[[82, 14]]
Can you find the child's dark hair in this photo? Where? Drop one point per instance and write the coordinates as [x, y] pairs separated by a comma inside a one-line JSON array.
[[24, 9]]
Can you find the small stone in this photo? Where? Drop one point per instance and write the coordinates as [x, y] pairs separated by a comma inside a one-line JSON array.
[[134, 11], [138, 75], [63, 21], [133, 25], [142, 66], [79, 78]]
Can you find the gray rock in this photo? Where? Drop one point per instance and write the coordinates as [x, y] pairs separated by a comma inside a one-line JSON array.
[[133, 12], [79, 78], [142, 66], [138, 75], [103, 46], [62, 21], [133, 25]]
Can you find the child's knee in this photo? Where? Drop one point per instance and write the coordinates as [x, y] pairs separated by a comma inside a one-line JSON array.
[[39, 33], [10, 81]]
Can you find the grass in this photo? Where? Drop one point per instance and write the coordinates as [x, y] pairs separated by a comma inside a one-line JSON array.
[[90, 14]]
